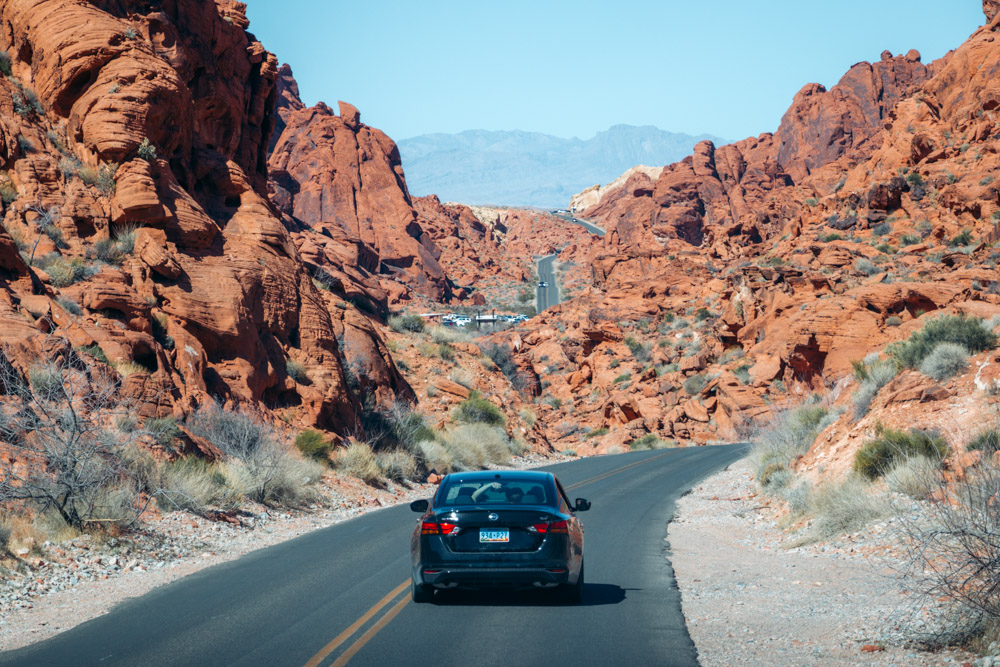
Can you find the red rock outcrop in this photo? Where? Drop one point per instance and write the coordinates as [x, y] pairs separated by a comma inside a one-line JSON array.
[[329, 169], [176, 102]]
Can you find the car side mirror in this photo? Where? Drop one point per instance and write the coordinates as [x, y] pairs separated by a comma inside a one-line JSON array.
[[582, 504], [419, 506]]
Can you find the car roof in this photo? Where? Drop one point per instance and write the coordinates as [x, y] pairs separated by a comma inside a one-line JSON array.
[[480, 475]]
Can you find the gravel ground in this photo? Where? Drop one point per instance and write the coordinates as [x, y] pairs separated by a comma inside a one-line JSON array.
[[57, 586], [751, 600]]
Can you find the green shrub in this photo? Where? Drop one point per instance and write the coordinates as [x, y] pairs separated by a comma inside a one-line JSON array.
[[64, 272], [865, 266], [878, 456], [846, 507], [5, 63], [397, 465], [146, 151], [961, 239], [788, 434], [872, 374], [945, 361], [624, 377], [968, 332], [313, 445], [70, 306], [358, 460], [503, 357], [987, 441], [695, 384], [647, 442], [163, 429], [95, 351], [297, 371], [477, 409], [774, 476], [893, 321], [640, 351], [411, 323], [596, 433]]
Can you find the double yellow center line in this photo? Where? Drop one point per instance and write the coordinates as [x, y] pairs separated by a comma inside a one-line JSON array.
[[386, 618]]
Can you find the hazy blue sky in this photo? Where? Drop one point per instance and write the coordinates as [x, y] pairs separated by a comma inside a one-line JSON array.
[[575, 67]]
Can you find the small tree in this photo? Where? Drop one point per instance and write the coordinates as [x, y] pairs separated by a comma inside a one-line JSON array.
[[59, 421]]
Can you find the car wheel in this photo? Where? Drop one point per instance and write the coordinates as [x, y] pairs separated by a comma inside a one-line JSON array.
[[574, 593], [420, 592]]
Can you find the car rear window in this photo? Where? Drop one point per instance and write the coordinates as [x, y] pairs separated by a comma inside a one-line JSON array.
[[457, 492]]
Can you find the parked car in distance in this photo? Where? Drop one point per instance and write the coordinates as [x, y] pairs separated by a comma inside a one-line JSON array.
[[498, 529], [462, 320], [543, 284]]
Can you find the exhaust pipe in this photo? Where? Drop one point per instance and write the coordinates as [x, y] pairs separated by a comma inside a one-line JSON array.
[[544, 584]]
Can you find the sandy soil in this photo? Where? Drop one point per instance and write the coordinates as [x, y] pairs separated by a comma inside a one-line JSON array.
[[750, 600]]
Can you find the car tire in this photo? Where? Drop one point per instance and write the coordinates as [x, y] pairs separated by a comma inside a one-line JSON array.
[[573, 593], [420, 592]]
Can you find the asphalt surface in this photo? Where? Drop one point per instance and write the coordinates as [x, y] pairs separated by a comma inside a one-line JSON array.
[[589, 226], [547, 297], [342, 594]]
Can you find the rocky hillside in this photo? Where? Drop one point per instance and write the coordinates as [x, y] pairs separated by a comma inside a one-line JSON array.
[[754, 274]]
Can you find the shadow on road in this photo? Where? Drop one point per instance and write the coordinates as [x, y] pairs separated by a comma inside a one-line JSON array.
[[594, 595]]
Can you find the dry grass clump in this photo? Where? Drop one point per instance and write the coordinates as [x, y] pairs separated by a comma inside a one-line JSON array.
[[358, 460], [846, 506]]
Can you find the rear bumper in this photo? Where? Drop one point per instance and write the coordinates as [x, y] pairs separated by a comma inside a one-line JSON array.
[[499, 576]]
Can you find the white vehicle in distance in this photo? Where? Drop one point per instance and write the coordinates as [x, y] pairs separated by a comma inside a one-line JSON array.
[[543, 284], [462, 320]]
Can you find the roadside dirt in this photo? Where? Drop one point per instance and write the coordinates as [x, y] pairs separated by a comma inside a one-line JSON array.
[[750, 600]]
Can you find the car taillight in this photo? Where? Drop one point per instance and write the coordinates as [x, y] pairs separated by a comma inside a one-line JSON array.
[[554, 527], [434, 528]]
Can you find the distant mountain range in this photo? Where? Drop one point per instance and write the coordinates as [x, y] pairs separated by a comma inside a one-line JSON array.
[[517, 168]]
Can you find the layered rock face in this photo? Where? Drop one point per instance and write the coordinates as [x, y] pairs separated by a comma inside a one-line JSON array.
[[176, 102], [332, 171], [754, 274]]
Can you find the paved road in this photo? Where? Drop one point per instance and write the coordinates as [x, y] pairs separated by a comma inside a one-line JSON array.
[[589, 226], [342, 594], [547, 297]]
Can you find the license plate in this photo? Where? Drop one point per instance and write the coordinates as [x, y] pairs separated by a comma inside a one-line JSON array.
[[494, 535]]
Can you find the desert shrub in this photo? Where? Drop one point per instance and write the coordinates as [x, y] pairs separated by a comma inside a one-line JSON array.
[[64, 272], [893, 321], [872, 374], [56, 235], [787, 434], [624, 377], [528, 417], [846, 506], [396, 426], [987, 441], [95, 351], [962, 238], [62, 417], [596, 433], [879, 455], [614, 363], [396, 466], [358, 460], [641, 351], [647, 442], [70, 306], [471, 446], [695, 384], [146, 150], [915, 476], [163, 429], [865, 266], [445, 335], [945, 360], [968, 332], [411, 323], [192, 484], [503, 357], [312, 445], [5, 63], [881, 229], [742, 374], [953, 543], [477, 409], [774, 477], [297, 371]]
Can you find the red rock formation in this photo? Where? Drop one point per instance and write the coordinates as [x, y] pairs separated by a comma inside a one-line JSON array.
[[214, 299], [330, 169]]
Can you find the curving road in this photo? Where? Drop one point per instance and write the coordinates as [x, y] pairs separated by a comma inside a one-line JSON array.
[[547, 297], [341, 594]]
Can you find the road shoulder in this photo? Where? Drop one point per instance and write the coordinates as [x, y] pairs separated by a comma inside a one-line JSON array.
[[749, 600]]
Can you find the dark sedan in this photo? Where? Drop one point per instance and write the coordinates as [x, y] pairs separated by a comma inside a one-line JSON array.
[[514, 528]]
